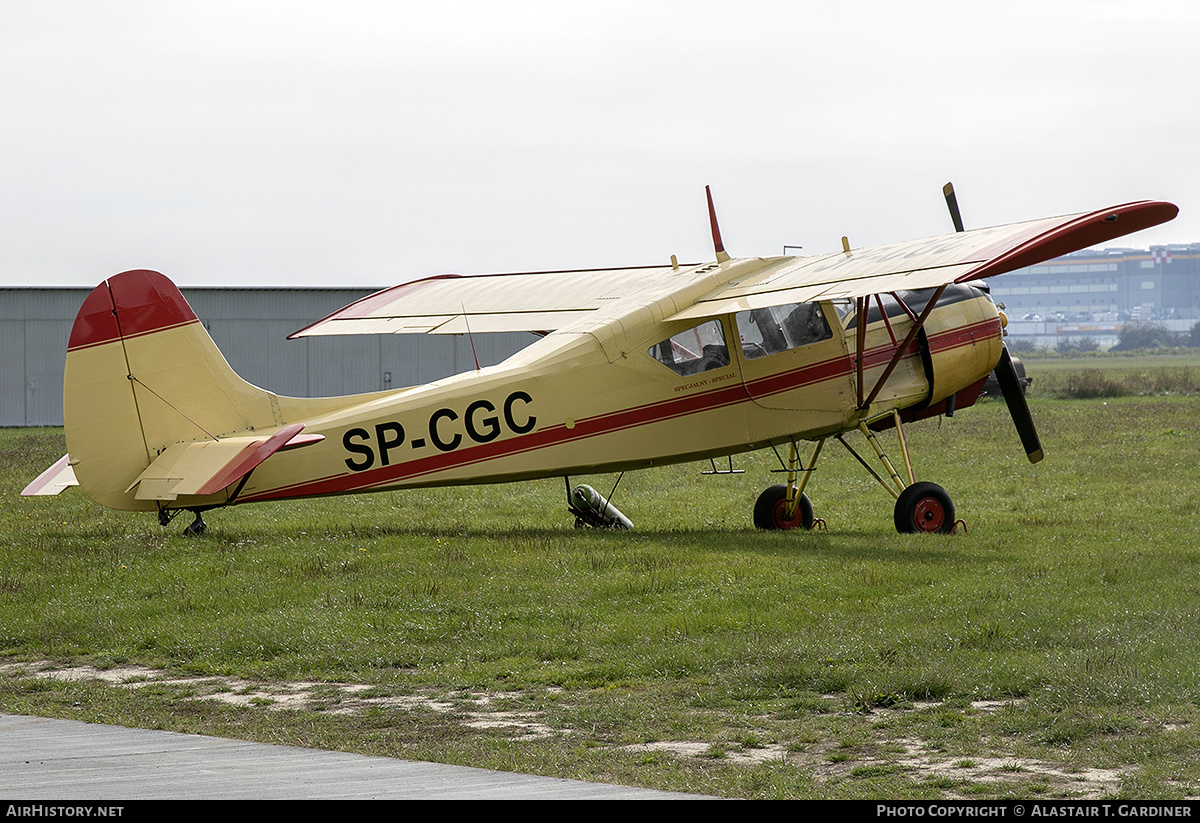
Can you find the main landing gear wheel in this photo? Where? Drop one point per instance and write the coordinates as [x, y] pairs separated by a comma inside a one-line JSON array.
[[924, 508], [770, 511]]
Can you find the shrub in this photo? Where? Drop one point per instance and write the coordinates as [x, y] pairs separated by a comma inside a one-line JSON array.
[[1091, 383], [1147, 336]]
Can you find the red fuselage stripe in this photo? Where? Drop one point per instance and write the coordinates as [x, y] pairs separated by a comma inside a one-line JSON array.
[[835, 368]]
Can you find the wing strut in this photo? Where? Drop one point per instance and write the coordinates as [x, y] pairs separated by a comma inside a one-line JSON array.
[[897, 355], [863, 403], [860, 343]]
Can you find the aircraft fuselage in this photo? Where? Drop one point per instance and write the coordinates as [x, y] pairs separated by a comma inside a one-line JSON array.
[[562, 407]]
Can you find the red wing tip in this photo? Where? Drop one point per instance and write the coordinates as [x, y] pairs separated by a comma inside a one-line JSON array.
[[1075, 233]]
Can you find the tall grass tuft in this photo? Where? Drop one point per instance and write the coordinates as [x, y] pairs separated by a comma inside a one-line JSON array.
[[1093, 383]]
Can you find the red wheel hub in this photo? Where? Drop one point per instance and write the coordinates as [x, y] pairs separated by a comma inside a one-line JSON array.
[[779, 515], [929, 515]]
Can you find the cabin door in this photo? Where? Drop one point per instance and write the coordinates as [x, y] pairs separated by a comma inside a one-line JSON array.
[[794, 357]]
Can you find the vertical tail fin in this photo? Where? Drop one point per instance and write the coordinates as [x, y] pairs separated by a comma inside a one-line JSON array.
[[142, 373]]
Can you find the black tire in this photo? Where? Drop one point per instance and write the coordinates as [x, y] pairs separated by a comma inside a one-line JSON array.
[[924, 508], [769, 510]]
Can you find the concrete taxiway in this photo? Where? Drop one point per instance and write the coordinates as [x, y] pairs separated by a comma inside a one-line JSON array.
[[46, 759]]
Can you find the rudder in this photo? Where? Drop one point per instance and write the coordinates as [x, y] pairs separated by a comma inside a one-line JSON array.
[[143, 373]]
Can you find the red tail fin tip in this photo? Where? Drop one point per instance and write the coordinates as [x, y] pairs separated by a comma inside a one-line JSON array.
[[127, 305]]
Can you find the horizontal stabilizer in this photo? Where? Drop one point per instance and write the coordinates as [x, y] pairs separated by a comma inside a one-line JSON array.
[[205, 467], [53, 480]]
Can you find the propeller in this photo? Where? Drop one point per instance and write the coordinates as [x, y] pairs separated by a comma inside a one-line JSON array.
[[1014, 397], [952, 204], [1006, 372]]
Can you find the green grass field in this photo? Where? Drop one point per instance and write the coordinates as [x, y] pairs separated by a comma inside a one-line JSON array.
[[1048, 651]]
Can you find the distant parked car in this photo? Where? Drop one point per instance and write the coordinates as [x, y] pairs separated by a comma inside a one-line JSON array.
[[1036, 317]]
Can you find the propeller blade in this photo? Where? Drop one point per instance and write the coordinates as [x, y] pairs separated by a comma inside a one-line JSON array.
[[1010, 387], [952, 204], [1006, 372]]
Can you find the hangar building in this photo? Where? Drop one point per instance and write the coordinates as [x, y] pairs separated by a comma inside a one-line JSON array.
[[250, 326]]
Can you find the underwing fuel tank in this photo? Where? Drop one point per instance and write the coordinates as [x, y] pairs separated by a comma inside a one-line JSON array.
[[592, 509]]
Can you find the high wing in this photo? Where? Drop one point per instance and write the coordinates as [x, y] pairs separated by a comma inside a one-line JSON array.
[[546, 301], [928, 263], [456, 304]]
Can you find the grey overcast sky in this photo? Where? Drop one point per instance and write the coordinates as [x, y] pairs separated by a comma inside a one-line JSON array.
[[363, 142]]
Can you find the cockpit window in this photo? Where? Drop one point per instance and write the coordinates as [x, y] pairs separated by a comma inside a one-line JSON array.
[[696, 350], [845, 308], [780, 328]]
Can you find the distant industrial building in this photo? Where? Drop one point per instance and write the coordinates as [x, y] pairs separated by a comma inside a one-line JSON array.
[[250, 326], [1094, 294]]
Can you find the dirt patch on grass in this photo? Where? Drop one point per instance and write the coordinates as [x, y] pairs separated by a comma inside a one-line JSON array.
[[470, 708], [957, 777]]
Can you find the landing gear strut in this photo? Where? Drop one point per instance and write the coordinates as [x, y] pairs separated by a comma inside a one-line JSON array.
[[785, 505], [921, 508], [194, 529]]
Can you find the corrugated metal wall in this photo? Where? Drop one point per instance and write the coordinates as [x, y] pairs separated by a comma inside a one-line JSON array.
[[34, 326], [250, 326]]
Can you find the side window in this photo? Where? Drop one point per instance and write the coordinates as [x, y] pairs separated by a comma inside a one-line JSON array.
[[848, 311], [845, 309], [696, 350], [780, 328]]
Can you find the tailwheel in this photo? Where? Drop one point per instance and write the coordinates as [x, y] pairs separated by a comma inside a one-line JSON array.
[[194, 529], [770, 511], [197, 527], [924, 508]]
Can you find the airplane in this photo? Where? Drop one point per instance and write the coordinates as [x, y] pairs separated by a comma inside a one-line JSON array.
[[630, 368]]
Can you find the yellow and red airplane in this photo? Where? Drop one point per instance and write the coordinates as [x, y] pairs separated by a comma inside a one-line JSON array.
[[633, 367]]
